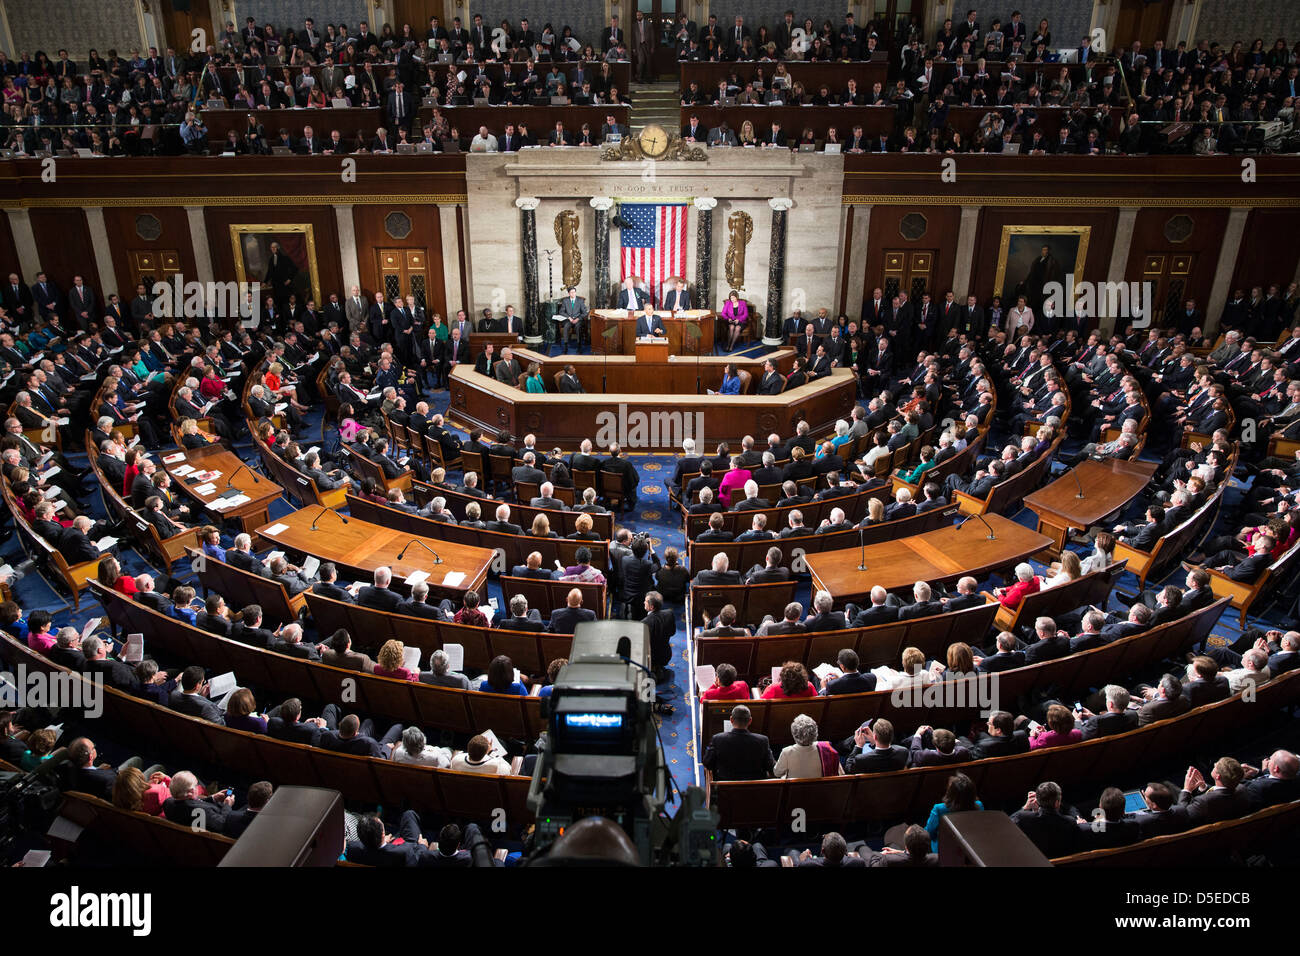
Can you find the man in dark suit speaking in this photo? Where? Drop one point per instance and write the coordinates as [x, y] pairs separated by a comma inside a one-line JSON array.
[[632, 297], [647, 323]]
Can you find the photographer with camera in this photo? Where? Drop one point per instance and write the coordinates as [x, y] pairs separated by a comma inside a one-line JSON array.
[[636, 574]]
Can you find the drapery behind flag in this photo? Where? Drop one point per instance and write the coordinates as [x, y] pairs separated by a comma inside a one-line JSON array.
[[654, 245]]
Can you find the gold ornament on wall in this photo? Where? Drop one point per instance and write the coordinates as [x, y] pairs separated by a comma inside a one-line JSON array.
[[566, 234], [740, 228]]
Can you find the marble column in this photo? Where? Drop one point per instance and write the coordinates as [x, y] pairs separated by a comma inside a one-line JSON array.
[[776, 273], [970, 218], [1229, 250], [451, 261], [1118, 267], [99, 241], [347, 227], [527, 206], [199, 240], [704, 251], [20, 225], [600, 256]]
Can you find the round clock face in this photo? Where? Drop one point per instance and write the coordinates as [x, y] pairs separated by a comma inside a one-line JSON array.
[[654, 141]]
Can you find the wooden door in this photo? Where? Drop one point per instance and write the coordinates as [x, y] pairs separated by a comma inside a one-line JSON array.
[[908, 270], [150, 266], [180, 19], [662, 16], [403, 272], [1170, 275], [1142, 20]]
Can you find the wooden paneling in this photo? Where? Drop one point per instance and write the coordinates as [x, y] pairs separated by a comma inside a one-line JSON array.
[[124, 239], [426, 234], [1270, 249], [9, 251], [1202, 244], [63, 238], [325, 232], [989, 236], [942, 225]]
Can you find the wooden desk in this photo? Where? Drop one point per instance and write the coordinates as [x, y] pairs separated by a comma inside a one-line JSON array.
[[680, 342], [653, 420], [652, 352], [261, 491], [360, 547], [936, 556], [1107, 487], [675, 376]]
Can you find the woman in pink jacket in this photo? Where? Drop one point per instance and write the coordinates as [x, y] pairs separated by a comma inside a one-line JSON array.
[[735, 312]]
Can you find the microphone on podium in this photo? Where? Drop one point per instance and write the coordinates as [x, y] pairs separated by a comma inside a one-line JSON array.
[[991, 535]]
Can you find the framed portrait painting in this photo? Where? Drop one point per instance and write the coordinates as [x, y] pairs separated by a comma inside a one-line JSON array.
[[282, 257], [1029, 257]]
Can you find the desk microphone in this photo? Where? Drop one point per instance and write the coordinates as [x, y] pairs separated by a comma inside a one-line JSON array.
[[991, 535], [862, 544], [230, 481], [1075, 473], [321, 512], [436, 559]]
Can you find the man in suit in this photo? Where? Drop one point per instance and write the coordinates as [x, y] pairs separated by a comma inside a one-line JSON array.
[[1210, 804], [738, 754], [770, 571], [186, 808], [564, 620], [872, 749], [325, 586], [1274, 781], [356, 309], [338, 652], [190, 698], [81, 299], [632, 297], [87, 776], [1116, 720], [75, 544], [378, 595], [849, 680], [677, 299], [1048, 826], [573, 308], [648, 324]]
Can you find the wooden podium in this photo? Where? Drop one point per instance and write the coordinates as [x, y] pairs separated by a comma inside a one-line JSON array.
[[652, 351]]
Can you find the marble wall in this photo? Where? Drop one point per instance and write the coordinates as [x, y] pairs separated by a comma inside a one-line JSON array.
[[75, 25], [1227, 20], [740, 180]]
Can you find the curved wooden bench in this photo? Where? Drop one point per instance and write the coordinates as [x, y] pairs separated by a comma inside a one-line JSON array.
[[738, 522], [751, 601], [530, 651], [240, 588], [364, 779], [546, 596], [71, 577], [562, 522], [1092, 588], [840, 715], [445, 708], [754, 657], [1009, 492], [139, 835], [1245, 595], [512, 549], [745, 554], [1198, 846], [911, 792]]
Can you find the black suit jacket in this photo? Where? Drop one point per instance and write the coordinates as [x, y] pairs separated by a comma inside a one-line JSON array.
[[739, 755]]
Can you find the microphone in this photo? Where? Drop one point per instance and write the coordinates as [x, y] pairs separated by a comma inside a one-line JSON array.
[[862, 544], [321, 512], [991, 535], [230, 481], [436, 559], [1077, 482]]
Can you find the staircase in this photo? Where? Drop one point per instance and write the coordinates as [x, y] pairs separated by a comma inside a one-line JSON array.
[[655, 103]]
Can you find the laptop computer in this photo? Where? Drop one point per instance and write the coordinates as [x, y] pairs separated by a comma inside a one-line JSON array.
[[1010, 149], [559, 101], [807, 147], [281, 151], [83, 152], [539, 101], [405, 149], [340, 103], [613, 138], [450, 145], [831, 148], [460, 101], [424, 147], [446, 58], [727, 101], [480, 101], [215, 104], [429, 101]]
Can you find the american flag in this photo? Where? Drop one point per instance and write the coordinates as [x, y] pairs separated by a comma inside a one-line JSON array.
[[654, 245]]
